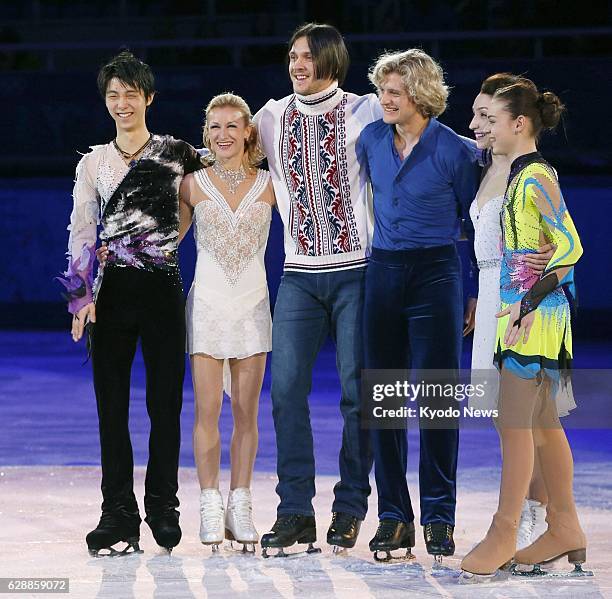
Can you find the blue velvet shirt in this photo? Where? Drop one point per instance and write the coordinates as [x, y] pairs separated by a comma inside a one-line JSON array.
[[419, 202]]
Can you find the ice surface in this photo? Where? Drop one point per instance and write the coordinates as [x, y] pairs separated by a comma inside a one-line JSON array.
[[46, 511]]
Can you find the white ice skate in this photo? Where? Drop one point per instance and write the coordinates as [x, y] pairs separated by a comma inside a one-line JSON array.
[[538, 511], [211, 518], [239, 520], [532, 523]]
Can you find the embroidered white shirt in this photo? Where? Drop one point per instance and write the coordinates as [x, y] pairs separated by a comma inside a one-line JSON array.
[[322, 191]]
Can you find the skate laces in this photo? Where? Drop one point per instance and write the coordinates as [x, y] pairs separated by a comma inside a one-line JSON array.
[[386, 528], [341, 520], [438, 532], [286, 521], [211, 509], [240, 504], [527, 524]]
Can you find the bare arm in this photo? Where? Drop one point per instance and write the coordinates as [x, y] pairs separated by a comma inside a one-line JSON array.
[[185, 206]]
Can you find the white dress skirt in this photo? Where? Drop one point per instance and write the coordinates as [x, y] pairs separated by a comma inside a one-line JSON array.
[[487, 247], [228, 307]]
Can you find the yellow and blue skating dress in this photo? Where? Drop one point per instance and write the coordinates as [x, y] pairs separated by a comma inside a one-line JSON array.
[[534, 213]]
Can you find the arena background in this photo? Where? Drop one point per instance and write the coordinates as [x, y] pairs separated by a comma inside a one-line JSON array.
[[50, 52]]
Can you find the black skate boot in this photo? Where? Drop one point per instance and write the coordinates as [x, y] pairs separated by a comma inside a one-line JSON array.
[[114, 527], [165, 528], [439, 540], [343, 530], [288, 530], [391, 535]]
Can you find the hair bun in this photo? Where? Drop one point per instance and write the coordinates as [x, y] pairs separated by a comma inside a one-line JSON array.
[[551, 108]]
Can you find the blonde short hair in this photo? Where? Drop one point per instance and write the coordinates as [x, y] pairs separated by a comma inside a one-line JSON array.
[[422, 76], [252, 151]]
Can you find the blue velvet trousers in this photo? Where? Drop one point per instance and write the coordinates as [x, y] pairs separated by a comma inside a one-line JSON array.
[[413, 319]]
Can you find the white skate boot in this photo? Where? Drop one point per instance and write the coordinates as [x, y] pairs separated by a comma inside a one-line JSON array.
[[539, 519], [211, 518], [532, 524], [239, 520], [525, 528]]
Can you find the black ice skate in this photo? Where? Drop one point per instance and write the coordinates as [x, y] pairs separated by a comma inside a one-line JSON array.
[[288, 530], [439, 540], [114, 528], [165, 528], [342, 532], [390, 536]]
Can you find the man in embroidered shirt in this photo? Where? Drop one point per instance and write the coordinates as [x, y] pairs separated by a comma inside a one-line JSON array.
[[424, 177], [131, 187], [309, 139]]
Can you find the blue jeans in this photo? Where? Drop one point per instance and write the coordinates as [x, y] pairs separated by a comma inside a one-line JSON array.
[[413, 319], [309, 307]]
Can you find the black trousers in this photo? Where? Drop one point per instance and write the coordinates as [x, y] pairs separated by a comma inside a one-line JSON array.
[[136, 304]]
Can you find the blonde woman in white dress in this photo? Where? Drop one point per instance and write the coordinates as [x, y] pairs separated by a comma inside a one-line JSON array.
[[485, 214], [228, 310]]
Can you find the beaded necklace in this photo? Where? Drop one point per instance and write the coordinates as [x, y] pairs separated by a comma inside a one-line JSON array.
[[131, 157]]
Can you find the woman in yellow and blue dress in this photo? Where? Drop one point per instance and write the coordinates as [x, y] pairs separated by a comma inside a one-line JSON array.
[[534, 343]]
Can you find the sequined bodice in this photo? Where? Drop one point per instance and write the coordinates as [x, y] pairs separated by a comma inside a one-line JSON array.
[[232, 239], [487, 231]]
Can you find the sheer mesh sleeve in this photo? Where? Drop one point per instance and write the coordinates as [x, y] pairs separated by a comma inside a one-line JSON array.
[[78, 279], [542, 189], [191, 159]]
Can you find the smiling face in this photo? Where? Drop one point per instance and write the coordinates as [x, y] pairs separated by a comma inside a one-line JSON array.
[[302, 69], [126, 105], [505, 132], [397, 104], [480, 123], [227, 131]]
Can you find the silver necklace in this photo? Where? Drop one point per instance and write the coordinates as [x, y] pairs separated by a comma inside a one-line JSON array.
[[230, 177]]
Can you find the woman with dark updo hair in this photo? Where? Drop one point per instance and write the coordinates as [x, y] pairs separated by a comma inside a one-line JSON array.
[[534, 341]]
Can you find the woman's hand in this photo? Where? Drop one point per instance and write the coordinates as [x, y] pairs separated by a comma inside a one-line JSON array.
[[539, 261], [85, 315], [515, 333], [102, 254], [469, 318]]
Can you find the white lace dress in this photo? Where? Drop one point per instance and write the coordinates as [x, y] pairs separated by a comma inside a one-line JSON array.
[[228, 308], [487, 246]]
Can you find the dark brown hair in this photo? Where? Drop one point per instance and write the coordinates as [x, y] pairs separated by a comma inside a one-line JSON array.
[[329, 53], [544, 109], [494, 82], [130, 71]]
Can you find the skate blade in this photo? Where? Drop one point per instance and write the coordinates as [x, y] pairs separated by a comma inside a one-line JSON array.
[[389, 558], [537, 572], [215, 547], [129, 549], [470, 578], [438, 568], [311, 549], [248, 547], [338, 551]]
